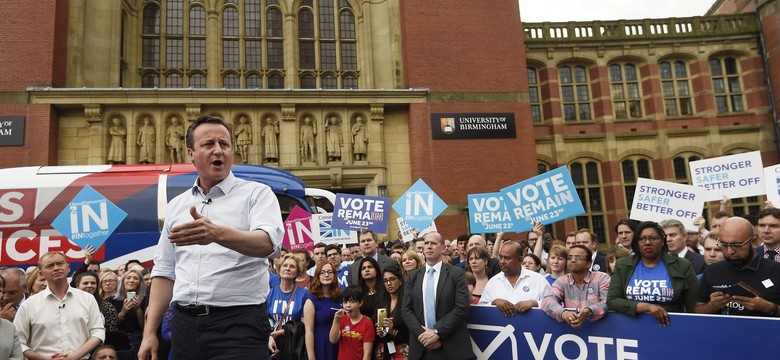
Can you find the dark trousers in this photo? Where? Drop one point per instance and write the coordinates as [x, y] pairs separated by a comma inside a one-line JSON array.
[[239, 332]]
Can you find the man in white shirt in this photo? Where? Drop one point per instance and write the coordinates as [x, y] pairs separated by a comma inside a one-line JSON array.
[[514, 289], [212, 258], [60, 322]]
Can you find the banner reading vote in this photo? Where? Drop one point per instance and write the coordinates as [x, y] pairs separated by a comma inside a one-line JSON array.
[[534, 335], [546, 198], [488, 213], [419, 205], [772, 183], [734, 176], [661, 200], [297, 230], [356, 212]]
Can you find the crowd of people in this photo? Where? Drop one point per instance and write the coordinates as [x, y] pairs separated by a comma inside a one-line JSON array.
[[223, 287]]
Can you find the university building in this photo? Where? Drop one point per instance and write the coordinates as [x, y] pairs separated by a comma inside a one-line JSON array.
[[357, 95]]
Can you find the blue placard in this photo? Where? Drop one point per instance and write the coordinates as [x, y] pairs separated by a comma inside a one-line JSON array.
[[89, 219], [356, 212], [534, 335], [546, 198], [488, 213], [419, 205]]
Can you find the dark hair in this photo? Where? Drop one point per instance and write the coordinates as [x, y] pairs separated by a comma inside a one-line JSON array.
[[320, 245], [481, 253], [332, 247], [648, 225], [102, 347], [463, 238], [102, 304], [379, 286], [766, 212], [631, 223], [384, 301], [588, 251], [520, 248], [205, 119], [535, 258], [352, 292]]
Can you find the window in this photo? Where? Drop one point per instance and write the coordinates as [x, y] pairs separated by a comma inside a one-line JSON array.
[[533, 94], [542, 168], [327, 43], [726, 85], [574, 93], [676, 88], [632, 169], [587, 180], [624, 86], [250, 43], [682, 172]]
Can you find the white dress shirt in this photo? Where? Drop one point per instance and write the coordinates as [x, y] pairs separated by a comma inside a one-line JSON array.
[[48, 325], [213, 274], [530, 286]]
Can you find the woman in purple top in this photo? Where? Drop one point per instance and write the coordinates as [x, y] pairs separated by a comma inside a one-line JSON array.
[[318, 311]]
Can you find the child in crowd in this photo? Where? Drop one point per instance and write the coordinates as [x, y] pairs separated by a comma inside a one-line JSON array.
[[354, 333]]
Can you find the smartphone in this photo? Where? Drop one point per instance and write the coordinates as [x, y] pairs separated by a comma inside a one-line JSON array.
[[381, 314], [130, 294]]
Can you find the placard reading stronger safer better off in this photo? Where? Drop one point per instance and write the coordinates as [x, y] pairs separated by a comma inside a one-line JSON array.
[[733, 176]]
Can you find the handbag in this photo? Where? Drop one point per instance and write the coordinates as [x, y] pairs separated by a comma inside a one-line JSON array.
[[294, 341]]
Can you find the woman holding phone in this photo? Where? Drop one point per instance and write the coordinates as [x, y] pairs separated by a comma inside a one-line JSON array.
[[130, 303], [391, 331]]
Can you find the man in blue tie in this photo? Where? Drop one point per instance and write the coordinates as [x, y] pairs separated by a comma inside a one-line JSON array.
[[436, 307]]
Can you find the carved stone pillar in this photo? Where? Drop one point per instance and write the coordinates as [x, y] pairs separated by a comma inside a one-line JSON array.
[[98, 138], [289, 153], [376, 136]]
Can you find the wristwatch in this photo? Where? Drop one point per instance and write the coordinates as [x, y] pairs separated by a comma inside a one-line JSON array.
[[436, 331]]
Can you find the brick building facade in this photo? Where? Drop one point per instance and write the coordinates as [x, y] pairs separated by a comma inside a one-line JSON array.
[[613, 100]]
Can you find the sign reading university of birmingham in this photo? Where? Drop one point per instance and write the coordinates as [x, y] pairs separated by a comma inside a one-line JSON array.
[[473, 126], [11, 130]]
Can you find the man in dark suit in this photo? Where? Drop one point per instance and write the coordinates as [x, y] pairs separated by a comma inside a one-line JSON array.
[[436, 307], [769, 234], [591, 241], [675, 240], [368, 246]]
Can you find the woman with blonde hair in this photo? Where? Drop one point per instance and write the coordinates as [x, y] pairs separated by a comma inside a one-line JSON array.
[[410, 261], [130, 302], [285, 302], [556, 262], [109, 282], [34, 283]]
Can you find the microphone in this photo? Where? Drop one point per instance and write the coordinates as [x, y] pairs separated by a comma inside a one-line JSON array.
[[207, 201]]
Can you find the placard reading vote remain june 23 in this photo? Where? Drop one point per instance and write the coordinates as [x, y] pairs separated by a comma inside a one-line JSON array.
[[357, 212], [545, 198]]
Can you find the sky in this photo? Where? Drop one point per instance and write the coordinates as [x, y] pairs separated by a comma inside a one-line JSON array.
[[585, 10]]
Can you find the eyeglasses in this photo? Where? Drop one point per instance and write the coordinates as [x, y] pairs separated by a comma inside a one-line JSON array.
[[652, 239], [576, 257], [327, 272], [390, 279], [735, 246]]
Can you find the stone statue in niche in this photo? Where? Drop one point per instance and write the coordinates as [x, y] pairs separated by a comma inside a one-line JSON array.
[[308, 132], [243, 139], [174, 138], [334, 138], [270, 136], [117, 149], [359, 139], [146, 135]]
